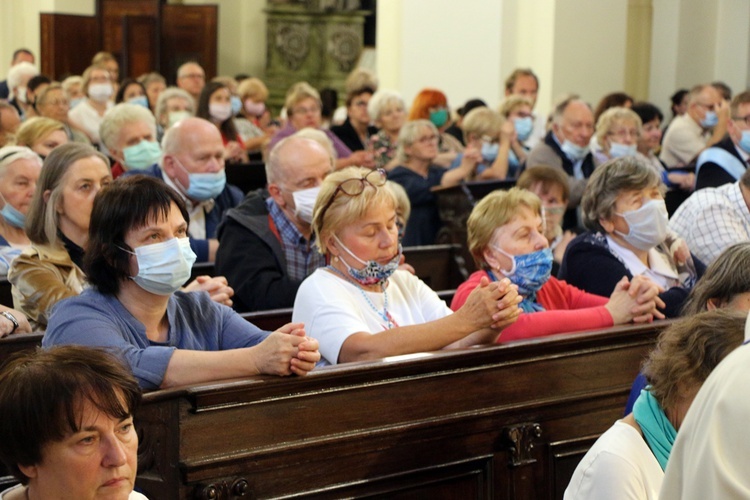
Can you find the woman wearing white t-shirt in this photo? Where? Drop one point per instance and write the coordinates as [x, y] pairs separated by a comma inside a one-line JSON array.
[[628, 460], [360, 306]]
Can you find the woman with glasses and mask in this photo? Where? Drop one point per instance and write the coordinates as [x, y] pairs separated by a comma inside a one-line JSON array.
[[617, 133], [417, 173], [506, 239], [137, 258], [360, 306], [623, 208]]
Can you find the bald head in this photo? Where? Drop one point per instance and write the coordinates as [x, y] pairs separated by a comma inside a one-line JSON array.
[[292, 156], [187, 133]]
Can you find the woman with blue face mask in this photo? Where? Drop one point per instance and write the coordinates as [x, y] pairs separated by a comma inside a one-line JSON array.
[[517, 110], [19, 170], [488, 142], [624, 211], [617, 132], [362, 306], [506, 238], [138, 257]]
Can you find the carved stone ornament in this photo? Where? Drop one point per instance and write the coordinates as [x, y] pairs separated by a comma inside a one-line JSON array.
[[222, 490], [344, 47], [520, 441], [292, 44]]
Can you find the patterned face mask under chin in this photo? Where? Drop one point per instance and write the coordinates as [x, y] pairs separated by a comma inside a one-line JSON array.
[[373, 273]]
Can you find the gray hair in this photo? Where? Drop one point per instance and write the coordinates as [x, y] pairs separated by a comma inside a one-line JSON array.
[[115, 118], [382, 100], [11, 154], [409, 134], [608, 181], [70, 81], [19, 71], [171, 93], [147, 79], [726, 277], [562, 105]]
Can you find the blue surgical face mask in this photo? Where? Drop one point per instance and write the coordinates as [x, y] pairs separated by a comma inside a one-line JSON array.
[[236, 105], [163, 267], [574, 151], [75, 102], [439, 117], [530, 271], [618, 150], [11, 215], [176, 116], [489, 151], [203, 187], [745, 141], [710, 120], [523, 126], [142, 155], [141, 100], [373, 273]]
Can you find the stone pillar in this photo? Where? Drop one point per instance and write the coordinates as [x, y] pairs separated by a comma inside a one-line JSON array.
[[305, 41]]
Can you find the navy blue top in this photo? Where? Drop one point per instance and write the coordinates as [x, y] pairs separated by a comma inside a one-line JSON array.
[[424, 221]]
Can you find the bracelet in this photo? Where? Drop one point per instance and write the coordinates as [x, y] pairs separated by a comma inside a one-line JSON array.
[[11, 318]]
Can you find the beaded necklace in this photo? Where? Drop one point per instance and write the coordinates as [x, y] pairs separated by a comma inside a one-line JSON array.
[[385, 315]]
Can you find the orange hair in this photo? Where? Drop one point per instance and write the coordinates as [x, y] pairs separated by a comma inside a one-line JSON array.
[[426, 99]]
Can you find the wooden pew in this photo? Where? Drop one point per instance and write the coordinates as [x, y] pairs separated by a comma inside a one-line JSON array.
[[441, 267], [6, 297], [246, 176], [508, 421]]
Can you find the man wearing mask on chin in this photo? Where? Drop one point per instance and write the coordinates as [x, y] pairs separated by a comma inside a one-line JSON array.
[[567, 146], [193, 165], [703, 125], [267, 246], [129, 132]]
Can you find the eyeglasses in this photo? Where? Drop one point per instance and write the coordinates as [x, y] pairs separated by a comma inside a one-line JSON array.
[[306, 111], [745, 119], [356, 186], [427, 139], [623, 133]]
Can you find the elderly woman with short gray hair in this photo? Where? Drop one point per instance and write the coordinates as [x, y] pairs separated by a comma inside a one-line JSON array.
[[417, 150], [387, 110], [623, 208]]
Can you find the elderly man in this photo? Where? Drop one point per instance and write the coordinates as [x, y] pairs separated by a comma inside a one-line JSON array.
[[267, 243], [9, 122], [703, 125], [129, 132], [525, 83], [726, 161], [192, 79], [193, 164], [18, 77], [713, 219], [566, 146], [20, 55]]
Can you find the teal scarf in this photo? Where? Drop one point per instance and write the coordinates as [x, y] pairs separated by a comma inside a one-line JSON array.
[[657, 429]]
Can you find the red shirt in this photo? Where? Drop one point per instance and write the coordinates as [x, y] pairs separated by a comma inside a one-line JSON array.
[[568, 310]]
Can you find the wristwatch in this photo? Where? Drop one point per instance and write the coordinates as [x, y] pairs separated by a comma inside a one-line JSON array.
[[11, 318]]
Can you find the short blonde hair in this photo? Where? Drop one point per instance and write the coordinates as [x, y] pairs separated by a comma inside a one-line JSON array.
[[612, 117], [403, 204], [345, 210], [252, 88], [298, 93], [493, 211], [35, 129], [512, 103], [482, 121], [87, 77]]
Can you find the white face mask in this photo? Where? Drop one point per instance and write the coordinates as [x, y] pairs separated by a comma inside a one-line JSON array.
[[304, 203], [21, 94], [100, 92], [220, 111], [648, 225], [164, 267]]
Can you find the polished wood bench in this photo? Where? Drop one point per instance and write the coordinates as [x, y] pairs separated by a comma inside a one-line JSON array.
[[507, 421], [441, 267]]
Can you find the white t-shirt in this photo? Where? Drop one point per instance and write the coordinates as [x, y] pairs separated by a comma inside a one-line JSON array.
[[133, 495], [710, 455], [333, 308], [619, 466]]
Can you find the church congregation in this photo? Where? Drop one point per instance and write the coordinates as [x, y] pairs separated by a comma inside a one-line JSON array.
[[125, 244]]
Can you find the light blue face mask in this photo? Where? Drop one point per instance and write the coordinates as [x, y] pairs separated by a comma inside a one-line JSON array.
[[524, 127], [142, 155], [710, 120], [619, 150], [574, 151], [203, 187], [236, 105], [75, 102], [12, 216], [141, 100], [163, 267], [745, 141], [489, 151]]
